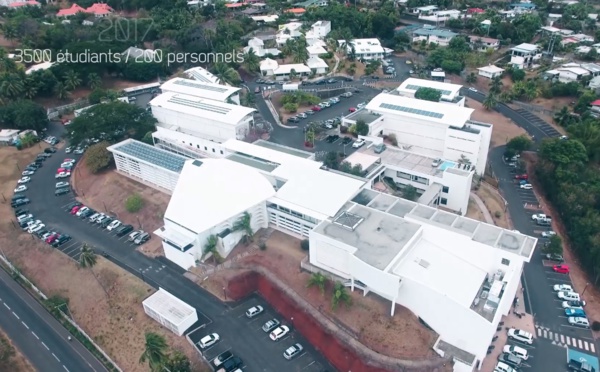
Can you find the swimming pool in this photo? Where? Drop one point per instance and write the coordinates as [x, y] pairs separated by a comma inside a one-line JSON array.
[[447, 164]]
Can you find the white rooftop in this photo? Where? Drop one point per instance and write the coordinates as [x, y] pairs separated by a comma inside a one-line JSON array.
[[526, 47], [266, 154], [39, 67], [411, 85], [419, 109], [200, 89], [366, 46], [201, 74], [316, 62], [287, 69], [210, 191], [268, 64], [202, 108], [491, 69], [316, 49], [169, 307]]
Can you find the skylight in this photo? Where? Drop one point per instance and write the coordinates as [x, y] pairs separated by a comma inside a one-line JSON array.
[[411, 110]]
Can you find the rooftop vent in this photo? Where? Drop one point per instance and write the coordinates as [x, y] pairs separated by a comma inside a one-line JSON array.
[[197, 163], [422, 263], [348, 220]]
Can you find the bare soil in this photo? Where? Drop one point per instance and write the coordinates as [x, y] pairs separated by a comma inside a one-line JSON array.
[[17, 362], [504, 129], [107, 192], [116, 323], [368, 317], [474, 212], [495, 204]]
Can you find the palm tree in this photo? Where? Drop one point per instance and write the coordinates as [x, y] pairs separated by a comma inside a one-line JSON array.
[[61, 91], [31, 88], [155, 351], [293, 74], [88, 259], [94, 81], [490, 101], [496, 85], [317, 280], [72, 80], [244, 223], [10, 33], [12, 86], [471, 78], [562, 117], [226, 74], [340, 295], [251, 61], [210, 246]]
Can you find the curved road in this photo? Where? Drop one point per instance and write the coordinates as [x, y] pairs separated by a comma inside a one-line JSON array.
[[38, 335]]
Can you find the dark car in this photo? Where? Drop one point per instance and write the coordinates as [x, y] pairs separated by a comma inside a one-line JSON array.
[[142, 238], [35, 166], [41, 233], [331, 81], [307, 83], [321, 82], [20, 212], [63, 191], [18, 196], [61, 240], [50, 150], [554, 257], [124, 230], [20, 202], [224, 356], [40, 158], [87, 213], [511, 360], [232, 364], [541, 222], [346, 78], [374, 77], [346, 140], [107, 221], [270, 325], [72, 205]]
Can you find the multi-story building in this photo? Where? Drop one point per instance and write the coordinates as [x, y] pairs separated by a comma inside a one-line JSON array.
[[288, 31], [524, 55], [212, 91], [258, 47], [364, 49]]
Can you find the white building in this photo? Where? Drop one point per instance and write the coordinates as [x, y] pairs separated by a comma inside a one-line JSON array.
[[258, 47], [435, 130], [440, 15], [490, 71], [201, 74], [318, 32], [524, 55], [7, 136], [424, 10], [364, 49], [315, 50], [269, 67], [317, 65], [212, 91], [147, 164], [483, 44], [450, 92], [203, 118], [458, 275], [170, 311], [288, 31], [433, 35]]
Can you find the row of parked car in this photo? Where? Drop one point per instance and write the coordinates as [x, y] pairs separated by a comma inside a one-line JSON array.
[[321, 106], [37, 228]]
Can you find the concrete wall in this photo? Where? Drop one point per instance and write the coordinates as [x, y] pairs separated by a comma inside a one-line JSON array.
[[459, 142]]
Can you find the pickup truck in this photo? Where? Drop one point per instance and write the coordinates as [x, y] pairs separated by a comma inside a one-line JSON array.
[[577, 366], [542, 217]]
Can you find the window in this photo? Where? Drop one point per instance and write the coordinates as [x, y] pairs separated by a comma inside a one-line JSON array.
[[205, 149], [213, 150], [444, 201], [445, 189], [198, 146], [221, 152], [505, 262]]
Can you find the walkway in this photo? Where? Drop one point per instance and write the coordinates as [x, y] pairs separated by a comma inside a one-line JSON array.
[[483, 208], [337, 62]]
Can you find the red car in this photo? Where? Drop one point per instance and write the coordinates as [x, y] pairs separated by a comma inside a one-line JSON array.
[[352, 109], [60, 170], [52, 238], [316, 108], [521, 177], [561, 269], [76, 208]]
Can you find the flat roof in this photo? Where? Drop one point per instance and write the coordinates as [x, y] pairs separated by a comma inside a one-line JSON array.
[[210, 191], [201, 74], [491, 69], [364, 115], [200, 89], [149, 154], [448, 90], [270, 153], [526, 47], [377, 238], [436, 112], [202, 108], [441, 271], [169, 307], [288, 150], [253, 162], [362, 159]]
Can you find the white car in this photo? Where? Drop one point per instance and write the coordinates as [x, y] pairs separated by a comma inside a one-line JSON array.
[[24, 217], [473, 89], [67, 165], [569, 296], [358, 143], [527, 186], [68, 150], [209, 340], [548, 234], [78, 151], [573, 304], [36, 228], [28, 173], [254, 311], [63, 175], [24, 180], [562, 287], [32, 224], [540, 216], [93, 217], [279, 333], [503, 367], [134, 235], [564, 138], [520, 335], [579, 321], [517, 351], [82, 211], [20, 189], [113, 225], [60, 185]]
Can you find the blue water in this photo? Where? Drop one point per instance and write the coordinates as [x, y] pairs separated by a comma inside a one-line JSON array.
[[579, 356], [447, 164]]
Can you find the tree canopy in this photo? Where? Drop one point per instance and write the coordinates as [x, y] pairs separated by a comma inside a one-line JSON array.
[[428, 94], [23, 114]]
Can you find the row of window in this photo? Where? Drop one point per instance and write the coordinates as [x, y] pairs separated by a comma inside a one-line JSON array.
[[205, 148], [408, 176]]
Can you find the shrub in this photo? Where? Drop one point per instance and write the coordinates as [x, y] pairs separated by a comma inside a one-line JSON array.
[[595, 326], [262, 246], [497, 214], [98, 157], [393, 140], [343, 129], [134, 203], [305, 245]]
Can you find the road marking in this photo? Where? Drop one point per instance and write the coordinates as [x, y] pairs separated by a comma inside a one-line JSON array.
[[562, 339], [556, 337], [66, 368], [16, 316], [47, 348], [568, 341], [580, 344], [24, 324], [5, 305], [36, 336], [592, 348], [55, 357], [585, 344]]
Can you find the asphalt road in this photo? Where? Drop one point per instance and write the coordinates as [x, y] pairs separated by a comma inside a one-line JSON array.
[[257, 353], [553, 332], [40, 337]]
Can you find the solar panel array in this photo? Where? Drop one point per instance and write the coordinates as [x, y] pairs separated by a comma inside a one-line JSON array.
[[417, 87], [200, 105], [153, 155], [411, 110], [191, 84]]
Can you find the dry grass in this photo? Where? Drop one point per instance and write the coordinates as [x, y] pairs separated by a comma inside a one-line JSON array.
[[504, 129], [117, 323], [495, 204], [17, 362], [369, 317], [474, 212]]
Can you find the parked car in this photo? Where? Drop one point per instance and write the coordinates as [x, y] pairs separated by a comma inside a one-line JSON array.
[[208, 340], [578, 313], [527, 186], [516, 351], [548, 234], [543, 222], [541, 216], [293, 119], [60, 185], [61, 240], [50, 150], [230, 365], [554, 257], [134, 235], [20, 188], [78, 151], [62, 191], [561, 269], [142, 238], [124, 230], [579, 322], [511, 360], [503, 367], [107, 221], [316, 108], [580, 366], [19, 202], [24, 180], [64, 174], [522, 177], [562, 287], [28, 173], [352, 109], [69, 150], [520, 335], [569, 296], [222, 358], [254, 311], [270, 325], [346, 95], [100, 219], [301, 116], [293, 351], [81, 211], [113, 225], [358, 143], [279, 332], [573, 304]]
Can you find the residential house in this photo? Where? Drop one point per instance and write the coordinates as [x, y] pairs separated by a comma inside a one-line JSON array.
[[483, 44], [365, 49], [424, 10], [490, 71], [440, 15], [566, 74], [258, 47], [524, 55], [296, 11], [595, 84], [269, 67], [311, 3], [317, 33], [433, 35], [317, 65], [19, 4], [316, 50], [288, 31], [523, 7], [99, 10]]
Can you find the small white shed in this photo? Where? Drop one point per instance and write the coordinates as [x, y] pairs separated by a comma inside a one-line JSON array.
[[170, 311], [490, 71]]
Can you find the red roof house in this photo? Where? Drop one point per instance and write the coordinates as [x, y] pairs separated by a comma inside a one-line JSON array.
[[24, 3], [475, 10], [74, 9], [97, 9], [595, 103]]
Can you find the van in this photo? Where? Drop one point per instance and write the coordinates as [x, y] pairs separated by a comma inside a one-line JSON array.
[[516, 351]]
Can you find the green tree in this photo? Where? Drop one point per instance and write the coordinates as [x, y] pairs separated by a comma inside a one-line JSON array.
[[290, 107], [471, 78], [155, 351], [11, 85], [148, 138], [28, 140], [496, 85], [211, 247], [340, 296], [244, 224], [409, 192], [177, 362], [517, 74], [97, 157], [61, 91], [318, 280], [134, 203], [251, 61], [362, 128], [332, 160], [519, 144], [72, 80], [564, 118], [554, 245], [490, 101], [226, 74], [87, 260], [428, 94], [94, 81], [23, 114]]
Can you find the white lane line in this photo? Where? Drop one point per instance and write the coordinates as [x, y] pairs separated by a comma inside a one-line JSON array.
[[568, 340], [47, 348], [25, 325], [55, 357], [585, 344], [5, 305], [65, 368], [36, 336], [562, 339], [556, 338], [16, 315], [592, 348], [580, 344]]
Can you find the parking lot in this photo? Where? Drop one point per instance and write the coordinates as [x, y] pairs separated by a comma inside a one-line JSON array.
[[546, 128], [273, 350]]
